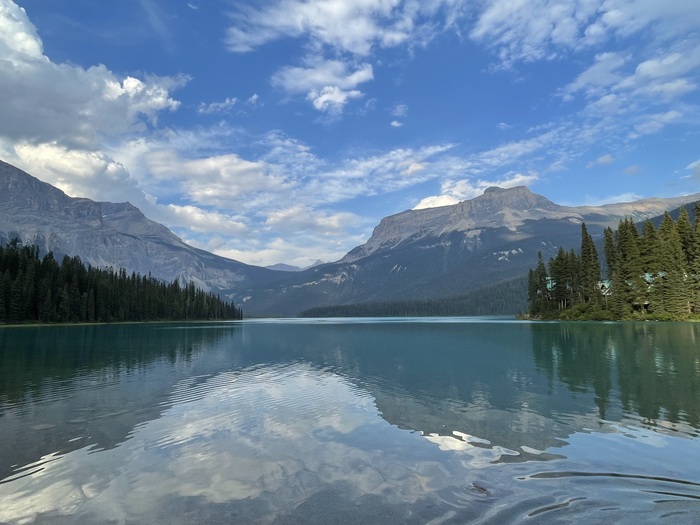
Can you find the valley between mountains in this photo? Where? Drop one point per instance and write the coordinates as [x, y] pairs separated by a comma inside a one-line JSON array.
[[475, 253]]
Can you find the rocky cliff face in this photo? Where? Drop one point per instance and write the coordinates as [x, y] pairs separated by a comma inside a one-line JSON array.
[[416, 254], [499, 208], [105, 234], [451, 250]]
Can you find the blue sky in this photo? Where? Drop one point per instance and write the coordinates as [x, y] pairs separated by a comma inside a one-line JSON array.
[[284, 130]]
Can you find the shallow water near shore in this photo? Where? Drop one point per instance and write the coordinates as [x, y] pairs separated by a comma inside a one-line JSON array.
[[437, 420]]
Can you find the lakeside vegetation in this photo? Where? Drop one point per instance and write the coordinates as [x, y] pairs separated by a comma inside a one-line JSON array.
[[34, 289], [652, 274], [506, 298]]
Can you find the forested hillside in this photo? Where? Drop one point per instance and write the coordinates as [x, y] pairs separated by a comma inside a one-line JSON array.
[[652, 274], [41, 289], [506, 298]]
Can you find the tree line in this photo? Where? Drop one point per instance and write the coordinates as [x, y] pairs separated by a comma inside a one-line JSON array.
[[506, 298], [649, 274], [42, 290]]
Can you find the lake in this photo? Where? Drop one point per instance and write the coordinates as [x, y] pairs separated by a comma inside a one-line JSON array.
[[351, 421]]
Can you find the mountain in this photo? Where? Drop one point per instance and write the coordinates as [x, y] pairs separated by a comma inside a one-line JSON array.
[[281, 267], [472, 247], [104, 234], [449, 251]]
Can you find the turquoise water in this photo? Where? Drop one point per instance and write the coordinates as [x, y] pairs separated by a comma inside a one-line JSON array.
[[474, 420]]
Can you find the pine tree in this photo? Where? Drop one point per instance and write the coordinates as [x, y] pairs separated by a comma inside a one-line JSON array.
[[694, 266], [675, 297], [685, 234], [537, 288], [590, 268]]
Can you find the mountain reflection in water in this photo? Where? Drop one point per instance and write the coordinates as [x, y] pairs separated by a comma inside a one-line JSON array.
[[350, 421]]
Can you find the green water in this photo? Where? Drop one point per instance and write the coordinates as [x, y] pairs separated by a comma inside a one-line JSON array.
[[360, 421]]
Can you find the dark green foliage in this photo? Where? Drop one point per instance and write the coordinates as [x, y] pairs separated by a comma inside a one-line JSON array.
[[589, 270], [34, 289], [507, 298], [652, 276]]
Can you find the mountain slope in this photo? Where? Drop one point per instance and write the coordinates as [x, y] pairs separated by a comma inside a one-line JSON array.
[[104, 234], [414, 255], [448, 251]]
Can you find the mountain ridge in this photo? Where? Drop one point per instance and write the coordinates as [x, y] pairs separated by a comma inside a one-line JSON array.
[[107, 234], [415, 254]]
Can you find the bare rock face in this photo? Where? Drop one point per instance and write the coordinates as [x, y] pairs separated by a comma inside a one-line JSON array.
[[105, 234], [416, 254], [500, 208]]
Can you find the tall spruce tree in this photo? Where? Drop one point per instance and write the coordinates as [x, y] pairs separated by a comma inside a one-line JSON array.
[[694, 266], [685, 234], [590, 269], [674, 295]]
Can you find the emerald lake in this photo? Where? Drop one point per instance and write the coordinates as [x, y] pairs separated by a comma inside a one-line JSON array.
[[351, 421]]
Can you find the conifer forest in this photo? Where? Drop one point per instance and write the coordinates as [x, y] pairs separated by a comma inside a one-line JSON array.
[[649, 274], [34, 289]]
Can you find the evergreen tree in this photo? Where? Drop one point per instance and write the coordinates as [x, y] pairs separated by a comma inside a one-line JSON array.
[[685, 234], [612, 258], [590, 269], [673, 292], [694, 265]]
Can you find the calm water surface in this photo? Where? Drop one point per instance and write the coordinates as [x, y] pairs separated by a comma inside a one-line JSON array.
[[363, 421]]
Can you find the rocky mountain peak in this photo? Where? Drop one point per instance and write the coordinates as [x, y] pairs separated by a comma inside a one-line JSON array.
[[497, 207]]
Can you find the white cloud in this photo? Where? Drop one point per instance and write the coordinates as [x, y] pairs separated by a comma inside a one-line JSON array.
[[694, 168], [395, 124], [601, 161], [331, 99], [318, 72], [454, 191], [299, 218], [253, 100], [65, 103], [200, 220], [653, 123], [529, 30], [347, 26], [217, 107], [597, 78], [216, 180], [436, 202], [399, 110], [79, 173], [328, 84]]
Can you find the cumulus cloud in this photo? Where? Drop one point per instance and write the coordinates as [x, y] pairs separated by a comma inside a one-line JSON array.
[[66, 103], [79, 173], [318, 72], [304, 217], [454, 191], [395, 124], [328, 84], [331, 99], [215, 180]]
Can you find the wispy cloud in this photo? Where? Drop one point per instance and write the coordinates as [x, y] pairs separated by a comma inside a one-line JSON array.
[[217, 107], [347, 26], [603, 160]]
